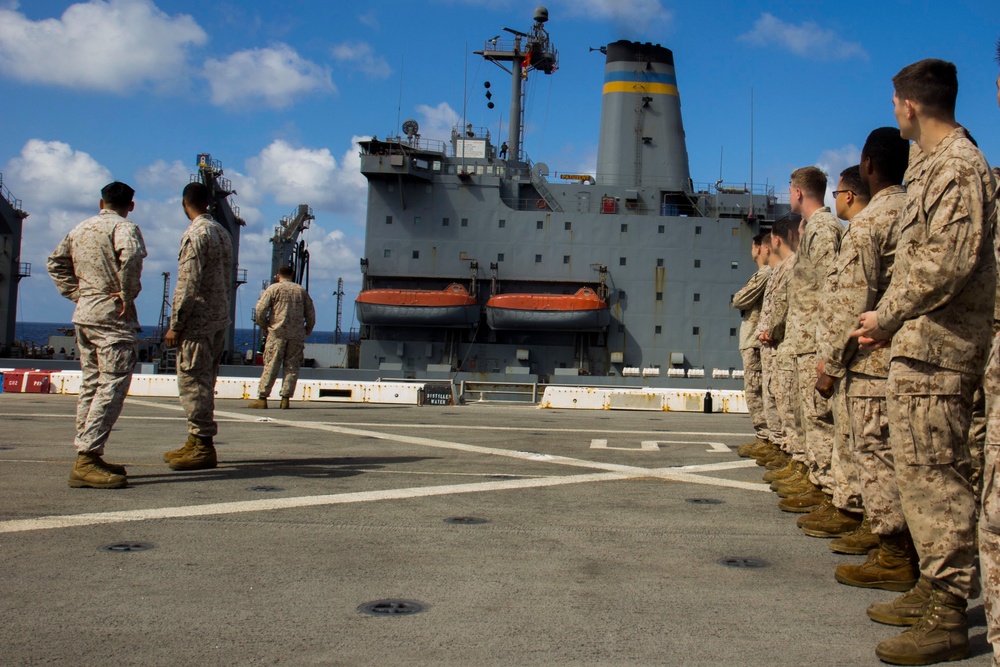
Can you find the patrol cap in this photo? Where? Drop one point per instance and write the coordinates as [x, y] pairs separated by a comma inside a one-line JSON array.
[[117, 194]]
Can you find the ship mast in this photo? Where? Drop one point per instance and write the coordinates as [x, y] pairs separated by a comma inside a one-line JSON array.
[[529, 51]]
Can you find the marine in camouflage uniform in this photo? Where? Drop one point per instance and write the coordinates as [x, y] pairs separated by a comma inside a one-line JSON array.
[[98, 266], [816, 254], [285, 312], [939, 311], [748, 301], [198, 324], [863, 273], [773, 321], [768, 363]]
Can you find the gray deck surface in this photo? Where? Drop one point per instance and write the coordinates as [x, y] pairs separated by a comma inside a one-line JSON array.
[[590, 556]]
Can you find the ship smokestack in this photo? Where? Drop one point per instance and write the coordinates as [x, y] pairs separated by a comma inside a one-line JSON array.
[[642, 136]]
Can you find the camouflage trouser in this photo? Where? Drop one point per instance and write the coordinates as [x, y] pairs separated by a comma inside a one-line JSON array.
[[785, 396], [989, 520], [768, 363], [930, 411], [278, 353], [815, 426], [198, 361], [753, 391], [107, 357], [843, 466], [869, 418]]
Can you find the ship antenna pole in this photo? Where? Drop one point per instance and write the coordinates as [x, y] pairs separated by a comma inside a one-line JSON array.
[[752, 216], [399, 105]]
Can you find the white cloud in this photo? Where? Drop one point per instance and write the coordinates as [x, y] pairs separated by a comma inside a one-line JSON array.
[[360, 56], [806, 39], [311, 176], [161, 178], [108, 45], [437, 122], [370, 19], [276, 75], [633, 16], [54, 173]]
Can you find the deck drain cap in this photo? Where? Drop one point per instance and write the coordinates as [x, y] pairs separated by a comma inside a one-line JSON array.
[[5, 447], [743, 562], [704, 501], [265, 489], [127, 547], [392, 607], [466, 520]]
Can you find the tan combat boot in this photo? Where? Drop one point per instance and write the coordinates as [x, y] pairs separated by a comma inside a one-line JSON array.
[[750, 449], [905, 609], [810, 501], [778, 461], [259, 404], [834, 524], [940, 635], [180, 451], [201, 456], [801, 473], [787, 489], [781, 473], [767, 454], [891, 567], [90, 471], [285, 404], [857, 543]]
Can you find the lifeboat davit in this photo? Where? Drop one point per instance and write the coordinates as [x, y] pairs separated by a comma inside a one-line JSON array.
[[583, 311], [451, 307]]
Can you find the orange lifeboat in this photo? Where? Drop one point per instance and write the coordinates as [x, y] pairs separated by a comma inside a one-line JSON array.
[[451, 307], [583, 311]]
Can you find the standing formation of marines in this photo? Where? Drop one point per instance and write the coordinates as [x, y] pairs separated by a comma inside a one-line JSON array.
[[863, 348], [878, 337]]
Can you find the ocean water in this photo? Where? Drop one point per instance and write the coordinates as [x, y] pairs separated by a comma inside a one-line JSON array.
[[39, 332]]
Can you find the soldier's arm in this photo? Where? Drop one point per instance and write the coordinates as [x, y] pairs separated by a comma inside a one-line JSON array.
[[189, 276], [310, 313], [131, 250], [62, 272], [949, 254], [843, 304], [752, 292], [261, 312]]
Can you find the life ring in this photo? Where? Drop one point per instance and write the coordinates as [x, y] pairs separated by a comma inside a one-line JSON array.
[[541, 204]]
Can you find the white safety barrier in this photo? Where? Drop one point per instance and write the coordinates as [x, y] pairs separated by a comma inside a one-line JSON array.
[[646, 398], [400, 393]]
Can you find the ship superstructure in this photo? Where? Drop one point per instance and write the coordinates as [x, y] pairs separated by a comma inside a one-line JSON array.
[[12, 269], [633, 267]]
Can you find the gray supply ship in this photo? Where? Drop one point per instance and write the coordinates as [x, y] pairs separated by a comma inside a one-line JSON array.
[[475, 262]]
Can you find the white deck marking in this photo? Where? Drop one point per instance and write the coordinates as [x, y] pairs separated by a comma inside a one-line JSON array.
[[644, 446], [712, 446], [612, 472]]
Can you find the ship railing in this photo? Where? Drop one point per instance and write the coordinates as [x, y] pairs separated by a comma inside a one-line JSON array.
[[723, 188], [400, 145], [9, 196]]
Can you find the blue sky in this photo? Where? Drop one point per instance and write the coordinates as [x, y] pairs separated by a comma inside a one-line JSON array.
[[281, 90]]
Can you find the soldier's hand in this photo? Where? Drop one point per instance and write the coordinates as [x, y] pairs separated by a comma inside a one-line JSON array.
[[172, 339], [118, 296], [824, 385], [869, 334]]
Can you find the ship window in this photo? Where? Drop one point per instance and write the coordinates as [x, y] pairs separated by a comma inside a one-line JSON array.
[[416, 254], [624, 227], [436, 165], [736, 265], [386, 253], [565, 259], [445, 222], [621, 261], [388, 219], [503, 223], [621, 328], [465, 222], [697, 263], [539, 224], [659, 329], [568, 225], [499, 256], [659, 261], [659, 296], [416, 220], [538, 259], [697, 297], [732, 331], [697, 229], [695, 331]]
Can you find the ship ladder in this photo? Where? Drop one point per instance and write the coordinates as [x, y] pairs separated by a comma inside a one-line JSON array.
[[539, 182]]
